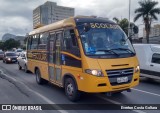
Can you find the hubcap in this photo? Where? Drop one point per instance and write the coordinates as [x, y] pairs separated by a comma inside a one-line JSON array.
[[70, 89], [37, 76]]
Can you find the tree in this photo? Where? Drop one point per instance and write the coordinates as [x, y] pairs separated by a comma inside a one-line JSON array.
[[123, 23], [11, 43], [148, 12], [1, 45]]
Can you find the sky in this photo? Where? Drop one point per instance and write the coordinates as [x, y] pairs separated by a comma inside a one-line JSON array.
[[16, 15]]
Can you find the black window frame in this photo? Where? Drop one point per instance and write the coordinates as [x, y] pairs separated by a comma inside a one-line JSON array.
[[37, 36], [60, 31], [47, 38], [153, 58], [48, 47], [29, 41], [73, 47]]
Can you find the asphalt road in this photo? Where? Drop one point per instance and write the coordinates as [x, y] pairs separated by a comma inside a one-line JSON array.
[[18, 87]]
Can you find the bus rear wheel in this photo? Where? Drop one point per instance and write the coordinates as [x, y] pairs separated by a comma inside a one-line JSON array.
[[39, 80], [71, 90]]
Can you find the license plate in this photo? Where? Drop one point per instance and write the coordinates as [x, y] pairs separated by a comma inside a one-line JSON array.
[[13, 60], [122, 79]]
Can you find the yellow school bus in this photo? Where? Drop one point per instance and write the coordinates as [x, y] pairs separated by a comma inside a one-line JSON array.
[[83, 54]]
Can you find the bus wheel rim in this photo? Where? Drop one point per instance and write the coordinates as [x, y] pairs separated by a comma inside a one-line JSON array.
[[70, 89], [37, 76]]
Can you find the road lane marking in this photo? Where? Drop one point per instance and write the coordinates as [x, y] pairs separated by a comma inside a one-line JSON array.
[[118, 103], [146, 92], [38, 94]]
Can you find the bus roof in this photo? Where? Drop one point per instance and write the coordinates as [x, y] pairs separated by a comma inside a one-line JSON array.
[[69, 22], [92, 19]]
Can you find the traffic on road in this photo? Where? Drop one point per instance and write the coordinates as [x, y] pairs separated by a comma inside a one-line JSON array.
[[25, 90], [92, 72]]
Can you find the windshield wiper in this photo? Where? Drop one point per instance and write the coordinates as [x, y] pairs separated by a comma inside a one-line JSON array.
[[124, 49], [108, 50]]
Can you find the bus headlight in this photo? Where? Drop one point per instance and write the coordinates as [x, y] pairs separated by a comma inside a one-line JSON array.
[[94, 72], [137, 69]]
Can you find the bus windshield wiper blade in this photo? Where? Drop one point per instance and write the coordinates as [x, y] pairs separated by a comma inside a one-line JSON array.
[[124, 49], [108, 50]]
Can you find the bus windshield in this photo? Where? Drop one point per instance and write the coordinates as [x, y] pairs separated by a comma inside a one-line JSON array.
[[110, 40]]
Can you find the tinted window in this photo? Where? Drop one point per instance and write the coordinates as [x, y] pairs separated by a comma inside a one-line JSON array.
[[51, 48], [156, 58], [43, 41], [19, 50], [34, 43], [58, 44], [1, 52], [23, 55], [70, 43], [11, 54], [29, 42], [105, 37]]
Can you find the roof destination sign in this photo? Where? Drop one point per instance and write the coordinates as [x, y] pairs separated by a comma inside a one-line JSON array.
[[104, 25]]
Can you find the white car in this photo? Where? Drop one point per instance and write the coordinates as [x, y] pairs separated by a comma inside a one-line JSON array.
[[19, 51], [149, 59], [22, 62]]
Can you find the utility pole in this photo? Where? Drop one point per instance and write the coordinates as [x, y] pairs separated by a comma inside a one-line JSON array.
[[129, 18]]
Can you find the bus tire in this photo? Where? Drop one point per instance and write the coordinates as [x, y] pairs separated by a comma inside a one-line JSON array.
[[19, 67], [39, 80], [25, 69], [71, 90]]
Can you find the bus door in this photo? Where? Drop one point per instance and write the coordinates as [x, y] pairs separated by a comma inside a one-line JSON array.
[[51, 54], [54, 69], [58, 57]]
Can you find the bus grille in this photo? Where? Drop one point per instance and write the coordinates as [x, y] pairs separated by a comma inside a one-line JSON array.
[[114, 74]]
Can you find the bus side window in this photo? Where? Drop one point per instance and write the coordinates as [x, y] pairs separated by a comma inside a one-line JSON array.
[[43, 41], [70, 43], [156, 58], [34, 43], [51, 48]]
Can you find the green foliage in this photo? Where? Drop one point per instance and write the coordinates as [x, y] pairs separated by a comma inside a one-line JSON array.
[[148, 12], [9, 44], [24, 47], [25, 40], [1, 45], [123, 23]]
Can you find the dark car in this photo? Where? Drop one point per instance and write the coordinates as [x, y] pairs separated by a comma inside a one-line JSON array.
[[1, 55], [10, 57]]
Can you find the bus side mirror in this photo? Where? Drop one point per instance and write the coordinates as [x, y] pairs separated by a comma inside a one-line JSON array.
[[135, 29], [123, 41], [87, 27]]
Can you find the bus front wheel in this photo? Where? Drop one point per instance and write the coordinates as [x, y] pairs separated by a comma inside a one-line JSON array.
[[71, 90], [25, 69], [19, 67], [39, 79]]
